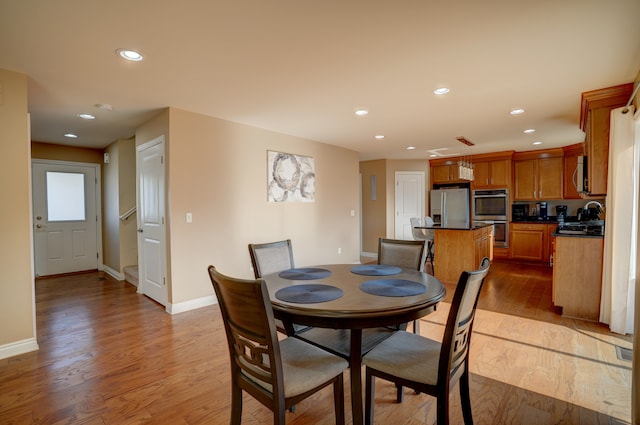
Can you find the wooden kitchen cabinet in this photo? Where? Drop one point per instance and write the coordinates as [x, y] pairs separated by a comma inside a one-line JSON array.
[[538, 175], [595, 112], [528, 242], [571, 154], [577, 276], [492, 174], [445, 173]]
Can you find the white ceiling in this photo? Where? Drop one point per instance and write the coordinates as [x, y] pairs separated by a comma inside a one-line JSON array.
[[303, 67]]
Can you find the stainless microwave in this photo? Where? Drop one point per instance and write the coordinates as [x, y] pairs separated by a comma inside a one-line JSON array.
[[490, 204], [580, 175]]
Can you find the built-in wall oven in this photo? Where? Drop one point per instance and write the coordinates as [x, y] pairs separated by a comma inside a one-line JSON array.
[[492, 207]]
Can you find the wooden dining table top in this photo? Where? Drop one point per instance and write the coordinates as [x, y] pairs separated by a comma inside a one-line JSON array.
[[356, 308]]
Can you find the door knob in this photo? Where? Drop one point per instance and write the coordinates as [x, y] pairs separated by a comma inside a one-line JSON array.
[[39, 226], [139, 230]]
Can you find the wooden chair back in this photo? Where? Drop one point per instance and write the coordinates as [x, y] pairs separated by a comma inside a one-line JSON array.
[[401, 253], [454, 354], [251, 335], [271, 257]]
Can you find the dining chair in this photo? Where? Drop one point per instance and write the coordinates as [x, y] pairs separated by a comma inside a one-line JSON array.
[[278, 374], [431, 236], [402, 253], [427, 236], [430, 366], [272, 257]]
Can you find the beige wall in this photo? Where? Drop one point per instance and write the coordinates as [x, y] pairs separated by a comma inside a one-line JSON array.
[[378, 217], [17, 332], [66, 153], [217, 170], [127, 199], [374, 211], [110, 208], [119, 238]]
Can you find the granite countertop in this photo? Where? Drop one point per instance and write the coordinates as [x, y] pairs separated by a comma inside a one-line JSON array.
[[552, 219], [590, 229], [586, 235]]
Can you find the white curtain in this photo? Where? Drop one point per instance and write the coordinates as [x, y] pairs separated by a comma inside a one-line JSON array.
[[621, 225]]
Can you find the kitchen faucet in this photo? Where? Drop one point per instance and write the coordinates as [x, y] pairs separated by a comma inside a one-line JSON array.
[[600, 207], [599, 210]]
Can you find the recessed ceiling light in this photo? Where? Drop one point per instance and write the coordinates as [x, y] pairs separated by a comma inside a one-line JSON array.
[[87, 116], [517, 112], [410, 148], [71, 135], [130, 55], [379, 136], [361, 112], [536, 143], [441, 90], [529, 130]]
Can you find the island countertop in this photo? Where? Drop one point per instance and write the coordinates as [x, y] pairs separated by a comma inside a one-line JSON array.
[[453, 227]]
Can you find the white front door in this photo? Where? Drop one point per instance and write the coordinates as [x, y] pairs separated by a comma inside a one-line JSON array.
[[65, 219], [409, 201], [151, 226]]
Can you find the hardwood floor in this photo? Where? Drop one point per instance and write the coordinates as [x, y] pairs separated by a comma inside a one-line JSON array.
[[111, 356]]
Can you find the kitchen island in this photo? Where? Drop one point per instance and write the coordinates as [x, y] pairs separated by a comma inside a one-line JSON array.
[[457, 249], [577, 274]]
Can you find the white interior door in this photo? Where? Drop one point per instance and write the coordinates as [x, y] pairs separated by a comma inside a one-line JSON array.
[[151, 225], [65, 218], [409, 201]]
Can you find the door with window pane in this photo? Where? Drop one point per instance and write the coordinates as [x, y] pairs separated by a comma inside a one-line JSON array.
[[64, 217]]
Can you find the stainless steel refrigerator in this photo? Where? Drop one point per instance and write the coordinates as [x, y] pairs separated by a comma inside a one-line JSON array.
[[450, 207]]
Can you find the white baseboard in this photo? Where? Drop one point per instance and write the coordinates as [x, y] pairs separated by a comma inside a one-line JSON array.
[[113, 273], [19, 347], [191, 305], [369, 254]]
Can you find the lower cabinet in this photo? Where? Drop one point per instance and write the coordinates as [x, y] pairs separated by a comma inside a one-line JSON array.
[[532, 241], [577, 276], [528, 241]]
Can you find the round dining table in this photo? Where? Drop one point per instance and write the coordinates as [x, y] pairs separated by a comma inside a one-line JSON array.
[[352, 298]]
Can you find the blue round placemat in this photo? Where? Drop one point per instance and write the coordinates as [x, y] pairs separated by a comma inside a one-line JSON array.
[[305, 273], [393, 287], [376, 270], [309, 293]]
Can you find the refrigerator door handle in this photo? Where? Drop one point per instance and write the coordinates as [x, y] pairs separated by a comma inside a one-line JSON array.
[[443, 208]]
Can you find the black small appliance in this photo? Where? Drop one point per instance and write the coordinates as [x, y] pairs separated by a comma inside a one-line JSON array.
[[561, 212], [542, 211], [519, 212]]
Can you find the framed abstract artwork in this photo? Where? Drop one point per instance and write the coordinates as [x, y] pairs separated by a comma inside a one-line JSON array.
[[290, 178]]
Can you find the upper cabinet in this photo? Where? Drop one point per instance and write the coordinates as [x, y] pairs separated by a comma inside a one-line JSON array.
[[538, 175], [491, 173], [446, 172], [595, 113], [490, 170]]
